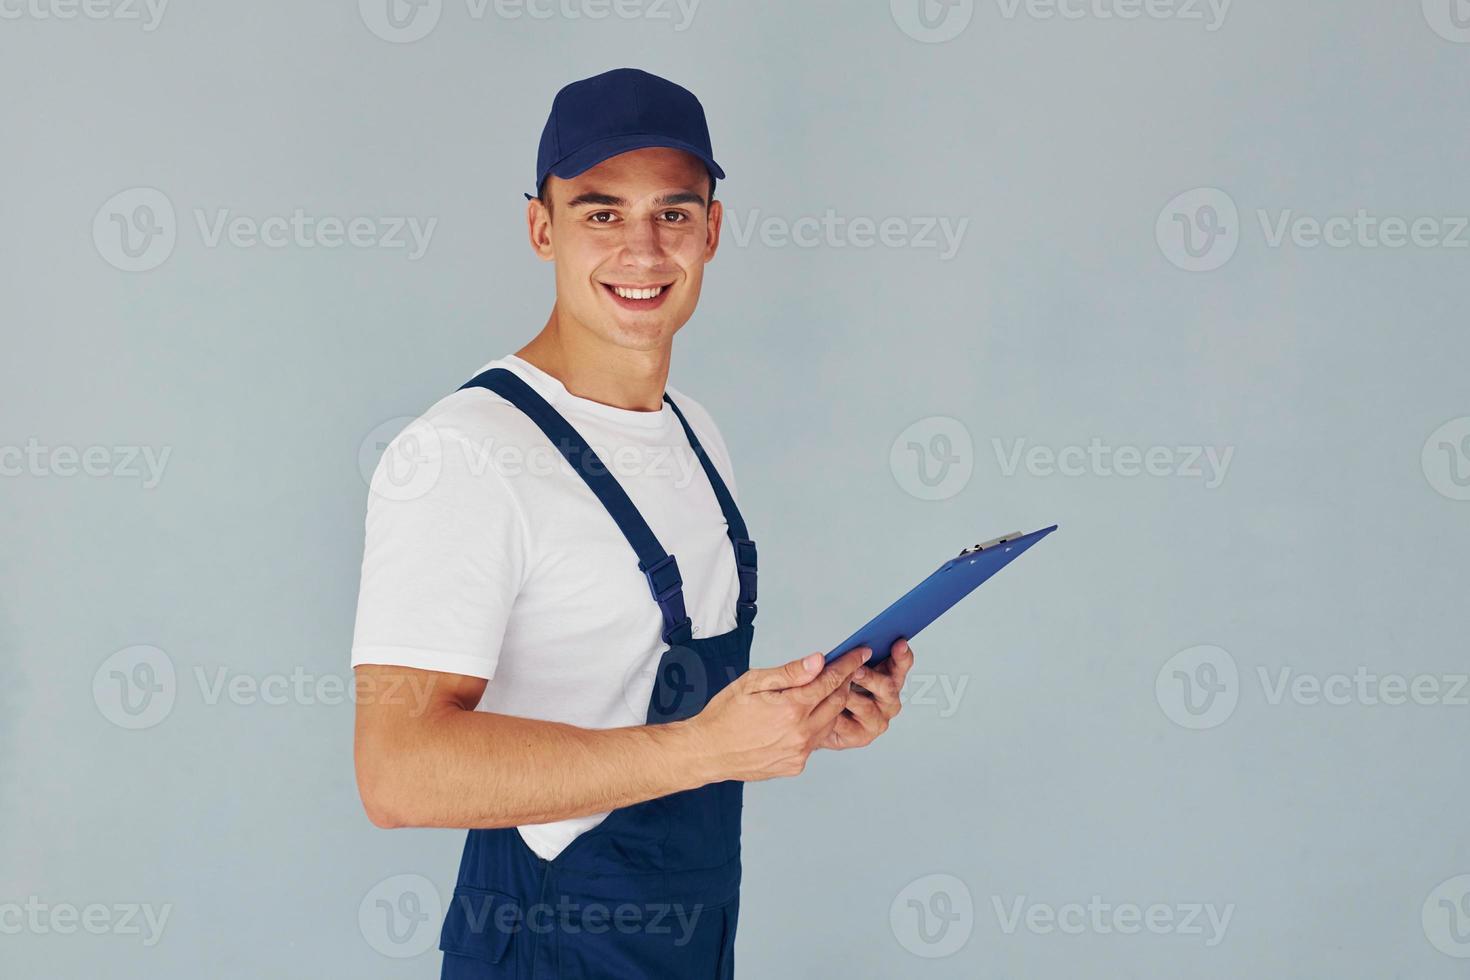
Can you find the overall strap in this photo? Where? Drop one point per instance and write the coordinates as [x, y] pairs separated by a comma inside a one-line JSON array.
[[657, 565], [735, 524]]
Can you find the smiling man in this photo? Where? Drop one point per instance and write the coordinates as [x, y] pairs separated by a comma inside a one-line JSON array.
[[591, 715]]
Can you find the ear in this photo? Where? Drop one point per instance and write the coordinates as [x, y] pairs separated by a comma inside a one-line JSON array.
[[712, 229], [538, 228]]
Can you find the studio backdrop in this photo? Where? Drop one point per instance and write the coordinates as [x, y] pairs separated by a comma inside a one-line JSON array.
[[1184, 277]]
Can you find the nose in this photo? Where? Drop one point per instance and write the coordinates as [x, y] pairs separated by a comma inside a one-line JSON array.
[[642, 244]]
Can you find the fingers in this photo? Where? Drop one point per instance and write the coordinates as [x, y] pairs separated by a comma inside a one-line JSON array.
[[900, 659], [794, 674], [828, 710], [868, 714], [835, 676]]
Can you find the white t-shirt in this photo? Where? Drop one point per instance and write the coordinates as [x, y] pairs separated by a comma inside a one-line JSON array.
[[487, 555]]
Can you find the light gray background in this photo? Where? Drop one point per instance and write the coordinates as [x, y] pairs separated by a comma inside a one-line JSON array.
[[1060, 774]]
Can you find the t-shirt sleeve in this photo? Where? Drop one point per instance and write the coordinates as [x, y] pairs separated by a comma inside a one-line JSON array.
[[445, 552]]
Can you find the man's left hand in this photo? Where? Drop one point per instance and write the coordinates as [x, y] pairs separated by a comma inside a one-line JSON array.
[[872, 700]]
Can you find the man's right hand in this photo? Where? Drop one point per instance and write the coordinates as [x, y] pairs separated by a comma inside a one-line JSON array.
[[766, 722]]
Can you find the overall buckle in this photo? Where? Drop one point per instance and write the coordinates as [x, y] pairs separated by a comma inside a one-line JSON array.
[[745, 566], [667, 586]]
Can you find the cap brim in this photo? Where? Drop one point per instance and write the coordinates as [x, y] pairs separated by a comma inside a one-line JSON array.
[[592, 154]]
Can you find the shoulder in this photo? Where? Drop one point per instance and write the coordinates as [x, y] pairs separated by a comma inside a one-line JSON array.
[[449, 452]]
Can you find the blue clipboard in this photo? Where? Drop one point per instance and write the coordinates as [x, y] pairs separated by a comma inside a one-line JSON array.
[[929, 600]]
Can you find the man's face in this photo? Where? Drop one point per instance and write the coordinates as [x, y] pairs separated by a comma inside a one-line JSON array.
[[630, 238]]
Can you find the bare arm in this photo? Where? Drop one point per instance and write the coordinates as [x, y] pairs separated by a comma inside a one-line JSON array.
[[426, 758]]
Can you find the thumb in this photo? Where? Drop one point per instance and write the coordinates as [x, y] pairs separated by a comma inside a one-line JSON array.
[[794, 674]]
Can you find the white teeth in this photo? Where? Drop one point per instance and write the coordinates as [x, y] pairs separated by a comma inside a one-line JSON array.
[[638, 293]]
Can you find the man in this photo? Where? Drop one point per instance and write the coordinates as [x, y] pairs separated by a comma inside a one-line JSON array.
[[586, 705]]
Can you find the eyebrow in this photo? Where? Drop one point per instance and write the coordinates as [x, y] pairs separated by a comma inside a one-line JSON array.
[[613, 201]]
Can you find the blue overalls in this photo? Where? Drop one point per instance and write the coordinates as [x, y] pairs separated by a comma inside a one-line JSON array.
[[654, 889]]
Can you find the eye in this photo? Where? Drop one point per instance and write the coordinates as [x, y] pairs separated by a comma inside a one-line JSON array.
[[597, 217], [675, 217]]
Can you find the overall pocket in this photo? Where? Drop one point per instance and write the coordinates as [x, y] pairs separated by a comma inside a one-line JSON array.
[[478, 933]]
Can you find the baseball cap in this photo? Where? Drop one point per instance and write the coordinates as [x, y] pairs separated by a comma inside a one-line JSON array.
[[620, 110]]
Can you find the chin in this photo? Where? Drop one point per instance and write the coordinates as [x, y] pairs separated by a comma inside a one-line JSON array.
[[641, 338]]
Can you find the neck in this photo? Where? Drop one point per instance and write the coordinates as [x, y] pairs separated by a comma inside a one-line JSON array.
[[592, 368]]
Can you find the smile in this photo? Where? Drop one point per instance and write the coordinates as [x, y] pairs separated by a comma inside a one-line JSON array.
[[637, 297]]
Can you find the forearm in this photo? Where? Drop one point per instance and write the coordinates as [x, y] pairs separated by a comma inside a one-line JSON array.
[[458, 768]]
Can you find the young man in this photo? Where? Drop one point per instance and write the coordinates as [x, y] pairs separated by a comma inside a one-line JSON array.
[[582, 702]]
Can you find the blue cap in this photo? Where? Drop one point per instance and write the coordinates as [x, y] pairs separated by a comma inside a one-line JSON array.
[[617, 111]]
